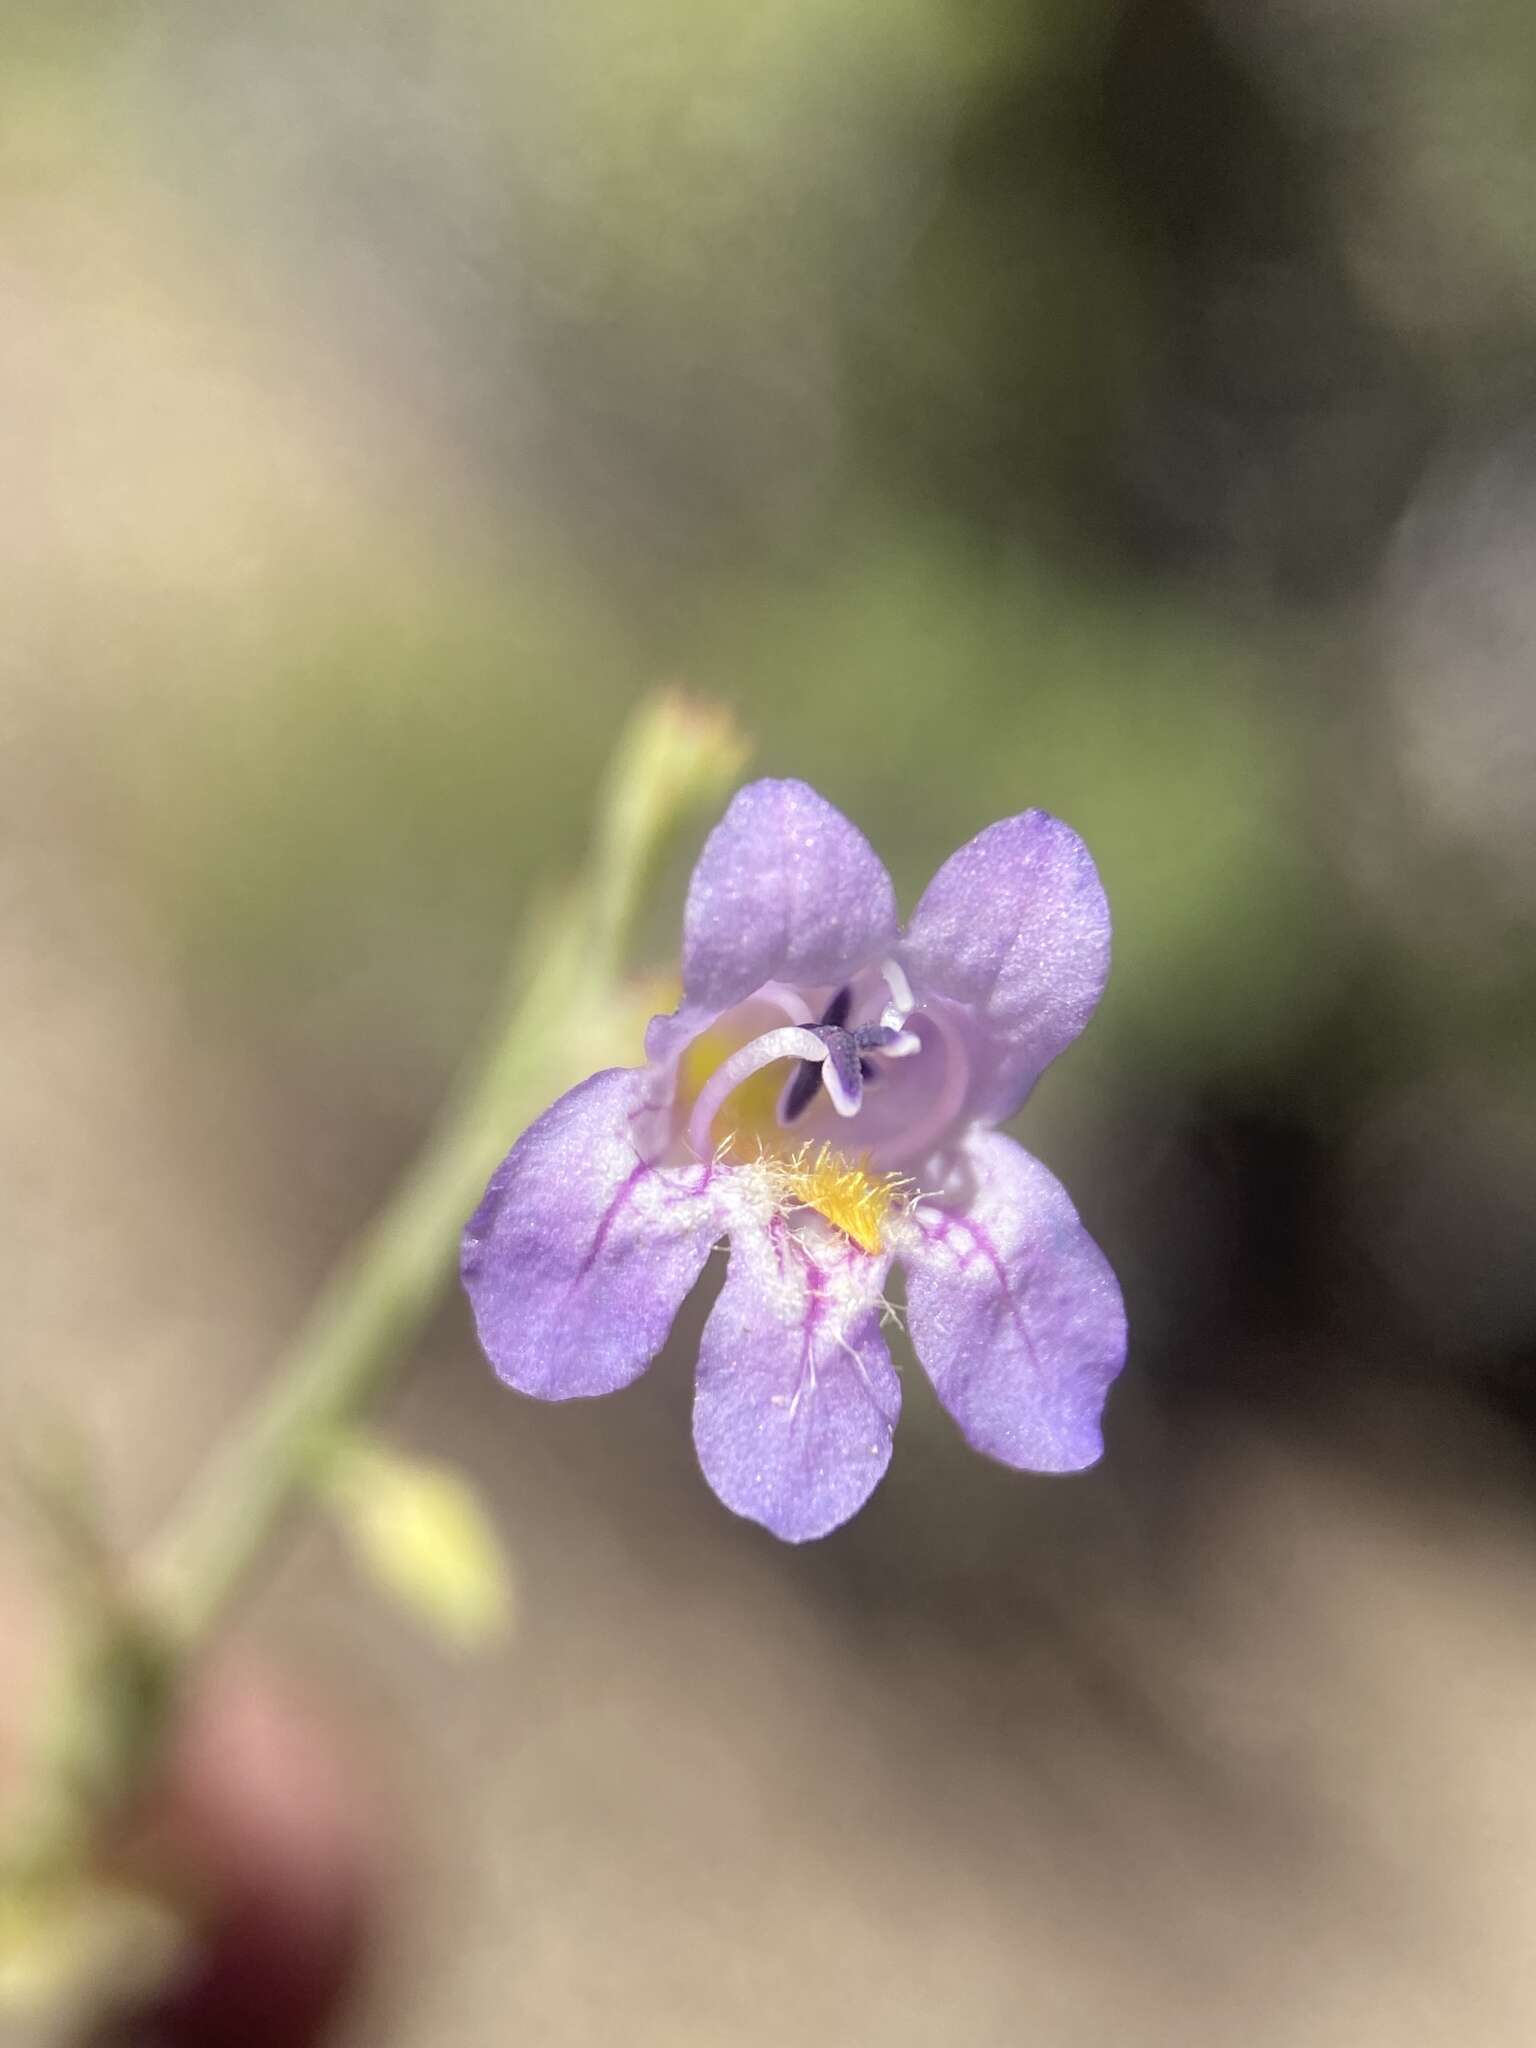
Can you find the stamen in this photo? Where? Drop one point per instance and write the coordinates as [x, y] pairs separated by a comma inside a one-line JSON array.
[[800, 1091], [788, 1042], [902, 1003], [896, 1043], [836, 1012], [841, 1069]]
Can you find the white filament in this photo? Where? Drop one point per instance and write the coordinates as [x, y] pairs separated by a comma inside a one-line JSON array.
[[788, 1042]]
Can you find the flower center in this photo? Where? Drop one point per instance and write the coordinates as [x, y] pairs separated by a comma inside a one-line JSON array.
[[874, 1088], [847, 1064], [827, 1055]]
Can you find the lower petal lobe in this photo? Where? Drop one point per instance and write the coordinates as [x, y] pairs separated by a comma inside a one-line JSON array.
[[796, 1399], [1014, 1311], [580, 1254]]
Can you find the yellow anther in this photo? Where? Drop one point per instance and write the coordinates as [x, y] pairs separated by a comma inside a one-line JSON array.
[[852, 1197]]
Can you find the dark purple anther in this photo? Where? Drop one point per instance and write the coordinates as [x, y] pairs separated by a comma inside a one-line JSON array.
[[842, 1072], [803, 1089], [836, 1012], [845, 1069]]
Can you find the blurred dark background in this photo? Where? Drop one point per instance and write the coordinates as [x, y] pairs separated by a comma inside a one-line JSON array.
[[1125, 408]]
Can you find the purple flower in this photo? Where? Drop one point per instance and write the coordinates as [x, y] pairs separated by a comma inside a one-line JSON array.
[[825, 1097]]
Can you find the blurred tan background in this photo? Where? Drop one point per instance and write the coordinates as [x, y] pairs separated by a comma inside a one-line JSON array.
[[1122, 408]]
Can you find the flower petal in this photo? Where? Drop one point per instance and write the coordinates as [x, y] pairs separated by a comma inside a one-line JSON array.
[[796, 1399], [1014, 1311], [785, 890], [1015, 928], [580, 1254]]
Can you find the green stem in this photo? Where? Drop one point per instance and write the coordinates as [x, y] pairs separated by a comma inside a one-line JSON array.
[[370, 1312]]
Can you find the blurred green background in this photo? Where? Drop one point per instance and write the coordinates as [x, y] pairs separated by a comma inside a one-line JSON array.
[[1124, 408]]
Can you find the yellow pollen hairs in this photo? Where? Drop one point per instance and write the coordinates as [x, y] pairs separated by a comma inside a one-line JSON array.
[[853, 1198]]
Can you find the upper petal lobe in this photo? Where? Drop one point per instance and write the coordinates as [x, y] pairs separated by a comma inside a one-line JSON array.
[[580, 1253], [796, 1398], [1014, 1311], [786, 889], [1014, 927]]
